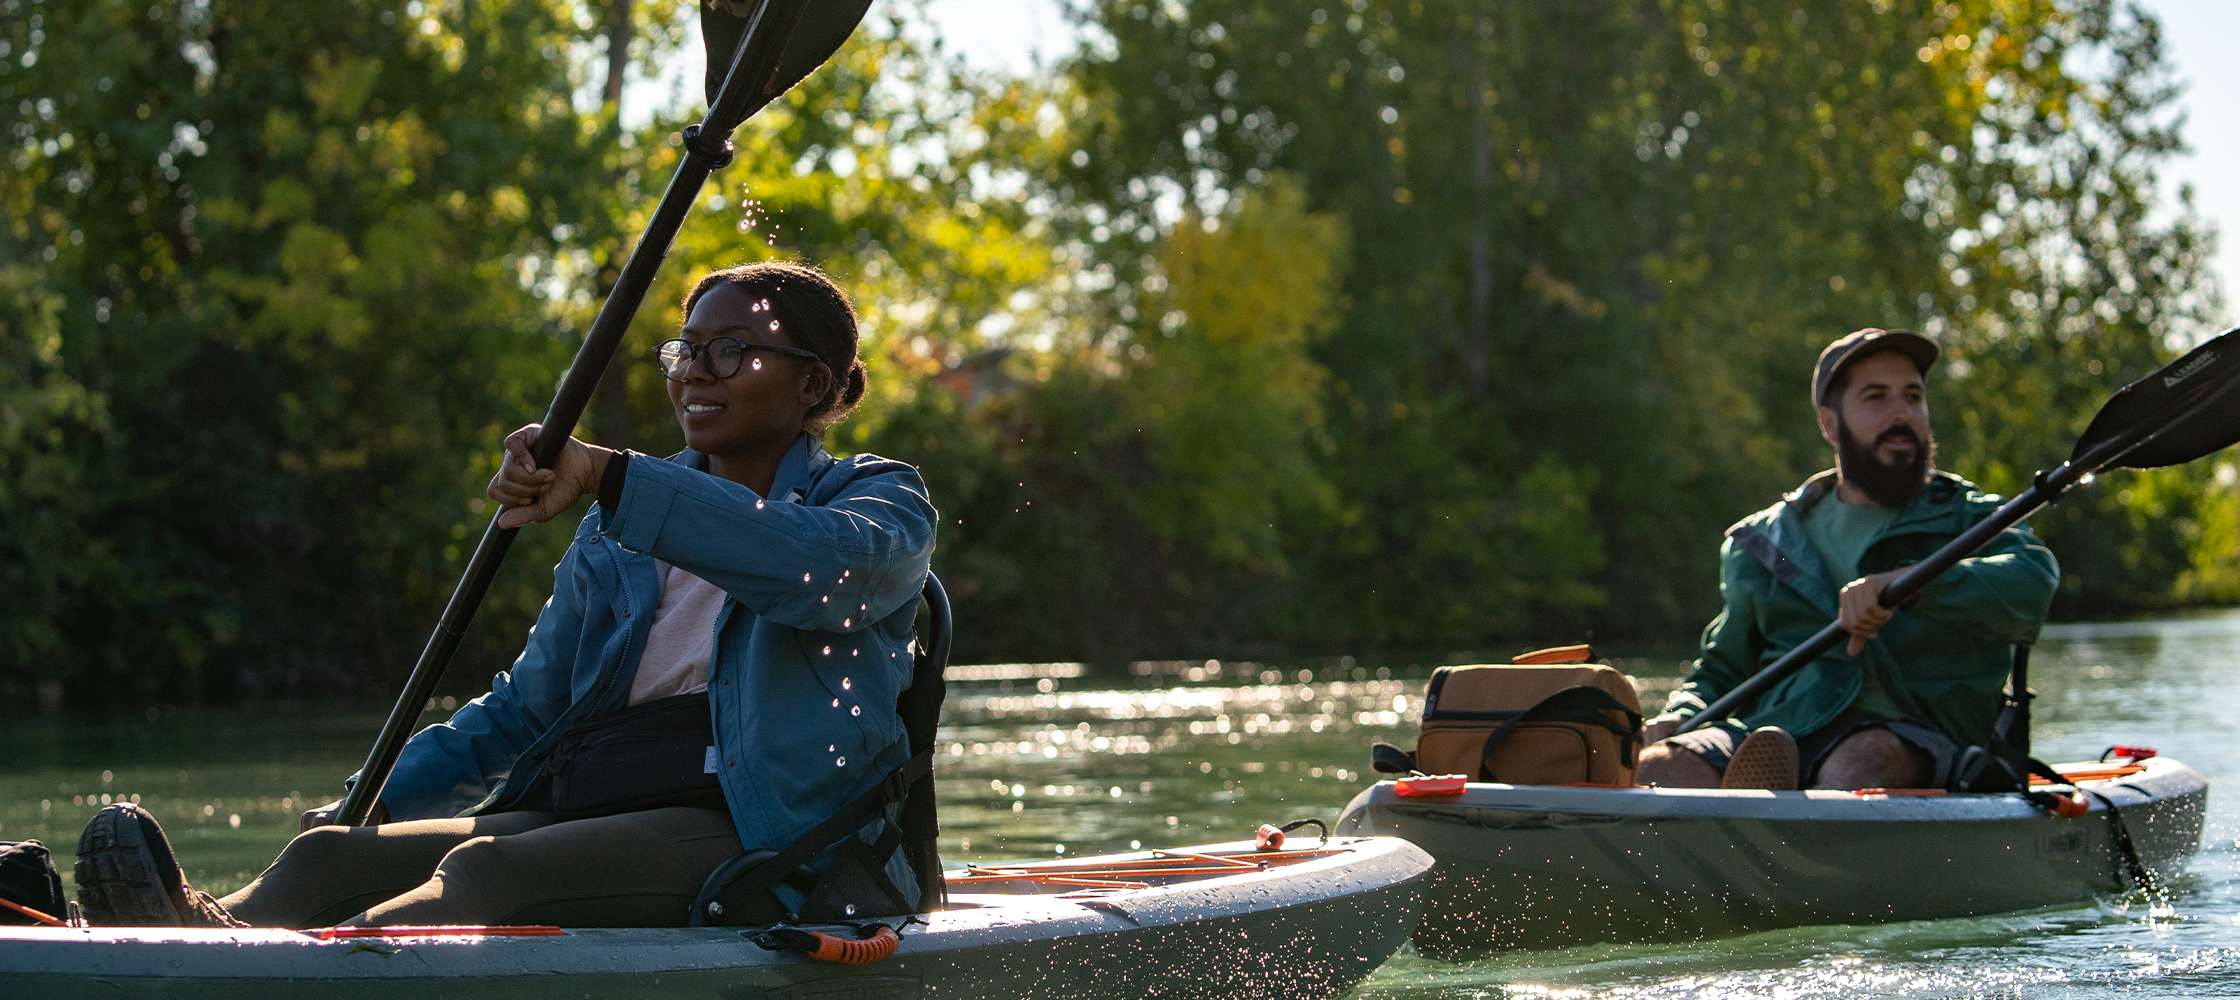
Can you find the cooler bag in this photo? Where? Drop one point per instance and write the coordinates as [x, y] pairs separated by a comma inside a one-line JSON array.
[[1547, 719]]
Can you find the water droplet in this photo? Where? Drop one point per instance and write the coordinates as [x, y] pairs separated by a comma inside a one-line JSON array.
[[855, 710], [839, 761], [773, 326], [828, 651], [758, 361], [846, 622], [846, 683], [758, 504], [830, 747], [836, 703], [804, 578], [849, 909], [855, 652]]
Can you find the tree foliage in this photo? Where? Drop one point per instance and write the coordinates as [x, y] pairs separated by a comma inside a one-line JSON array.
[[1259, 327]]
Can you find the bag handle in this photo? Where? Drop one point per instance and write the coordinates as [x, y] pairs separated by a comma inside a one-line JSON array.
[[1593, 699], [1580, 653]]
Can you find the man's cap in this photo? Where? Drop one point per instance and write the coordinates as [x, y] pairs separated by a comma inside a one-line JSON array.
[[1859, 343]]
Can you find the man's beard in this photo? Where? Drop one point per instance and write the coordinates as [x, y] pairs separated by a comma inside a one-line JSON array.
[[1888, 485]]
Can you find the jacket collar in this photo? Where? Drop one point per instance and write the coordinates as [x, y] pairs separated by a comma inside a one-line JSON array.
[[803, 461], [1787, 550]]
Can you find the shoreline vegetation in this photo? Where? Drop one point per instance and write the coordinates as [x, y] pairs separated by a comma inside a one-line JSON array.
[[1241, 331]]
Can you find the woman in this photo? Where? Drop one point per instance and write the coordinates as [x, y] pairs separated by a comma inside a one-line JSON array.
[[751, 592]]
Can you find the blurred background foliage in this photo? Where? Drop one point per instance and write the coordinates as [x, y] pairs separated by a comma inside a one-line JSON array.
[[1257, 327]]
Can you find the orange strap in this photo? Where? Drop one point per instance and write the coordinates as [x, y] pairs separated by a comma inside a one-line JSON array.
[[34, 914], [1580, 653], [872, 950]]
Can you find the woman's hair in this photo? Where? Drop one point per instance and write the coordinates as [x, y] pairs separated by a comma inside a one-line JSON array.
[[814, 314]]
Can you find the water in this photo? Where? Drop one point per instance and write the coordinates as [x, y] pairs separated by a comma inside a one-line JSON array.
[[1054, 763]]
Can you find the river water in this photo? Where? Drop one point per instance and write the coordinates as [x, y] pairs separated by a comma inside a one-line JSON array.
[[1048, 760]]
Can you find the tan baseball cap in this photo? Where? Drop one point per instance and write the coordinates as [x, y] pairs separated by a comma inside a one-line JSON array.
[[1859, 343]]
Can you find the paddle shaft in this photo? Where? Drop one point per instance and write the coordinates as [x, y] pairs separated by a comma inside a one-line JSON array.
[[2047, 489], [591, 360]]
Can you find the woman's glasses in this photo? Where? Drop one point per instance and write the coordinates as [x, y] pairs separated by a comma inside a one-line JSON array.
[[724, 356]]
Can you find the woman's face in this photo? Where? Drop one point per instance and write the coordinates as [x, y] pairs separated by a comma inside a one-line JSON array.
[[762, 405]]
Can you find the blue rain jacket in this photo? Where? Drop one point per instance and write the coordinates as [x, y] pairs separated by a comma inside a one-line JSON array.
[[812, 647]]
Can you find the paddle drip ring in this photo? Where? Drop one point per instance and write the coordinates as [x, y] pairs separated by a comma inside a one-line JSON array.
[[698, 147]]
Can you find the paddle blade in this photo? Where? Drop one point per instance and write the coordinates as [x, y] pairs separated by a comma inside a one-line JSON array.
[[801, 35], [2189, 407]]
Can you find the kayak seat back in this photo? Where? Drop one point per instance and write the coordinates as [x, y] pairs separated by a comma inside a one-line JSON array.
[[854, 883]]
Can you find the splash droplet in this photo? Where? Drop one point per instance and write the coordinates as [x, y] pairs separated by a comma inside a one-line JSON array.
[[804, 578], [846, 683], [758, 504], [828, 651], [773, 326], [855, 710], [839, 761], [758, 361], [836, 703], [846, 622], [830, 747]]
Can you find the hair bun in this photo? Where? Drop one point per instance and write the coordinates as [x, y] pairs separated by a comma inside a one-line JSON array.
[[852, 392]]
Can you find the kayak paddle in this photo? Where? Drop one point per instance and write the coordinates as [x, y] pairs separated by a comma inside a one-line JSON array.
[[757, 50], [2185, 411]]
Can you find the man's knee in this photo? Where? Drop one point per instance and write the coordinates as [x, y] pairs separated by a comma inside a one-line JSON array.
[[1673, 766], [321, 848], [1873, 758]]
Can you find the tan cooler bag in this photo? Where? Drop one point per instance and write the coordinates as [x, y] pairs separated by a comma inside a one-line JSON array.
[[1547, 719]]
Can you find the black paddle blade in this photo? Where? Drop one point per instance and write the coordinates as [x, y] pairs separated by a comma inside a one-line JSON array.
[[801, 35], [2191, 401]]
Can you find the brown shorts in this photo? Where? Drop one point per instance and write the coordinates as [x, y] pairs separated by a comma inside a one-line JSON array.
[[1715, 743]]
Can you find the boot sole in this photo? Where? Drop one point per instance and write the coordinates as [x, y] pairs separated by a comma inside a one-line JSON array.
[[1766, 759], [120, 880]]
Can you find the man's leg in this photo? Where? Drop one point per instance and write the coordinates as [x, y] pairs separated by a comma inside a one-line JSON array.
[[1694, 759], [331, 872], [640, 869], [1673, 766], [1874, 757]]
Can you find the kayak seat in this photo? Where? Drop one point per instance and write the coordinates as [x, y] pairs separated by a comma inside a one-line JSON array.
[[746, 889]]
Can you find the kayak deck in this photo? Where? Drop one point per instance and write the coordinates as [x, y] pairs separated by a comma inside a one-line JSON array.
[[1523, 866], [1298, 923]]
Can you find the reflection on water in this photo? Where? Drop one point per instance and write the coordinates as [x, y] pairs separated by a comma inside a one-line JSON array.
[[1046, 760]]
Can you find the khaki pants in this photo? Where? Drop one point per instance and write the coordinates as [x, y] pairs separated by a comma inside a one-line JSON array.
[[640, 869]]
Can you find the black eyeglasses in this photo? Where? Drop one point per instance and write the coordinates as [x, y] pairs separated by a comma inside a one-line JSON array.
[[724, 356]]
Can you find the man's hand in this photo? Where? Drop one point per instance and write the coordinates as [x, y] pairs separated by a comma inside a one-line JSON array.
[[1660, 728], [319, 816], [531, 495], [1862, 613]]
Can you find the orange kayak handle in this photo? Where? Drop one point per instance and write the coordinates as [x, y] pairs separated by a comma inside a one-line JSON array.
[[2071, 805], [1430, 786], [872, 950]]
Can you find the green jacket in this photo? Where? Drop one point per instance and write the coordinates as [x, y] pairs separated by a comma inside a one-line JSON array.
[[1946, 655]]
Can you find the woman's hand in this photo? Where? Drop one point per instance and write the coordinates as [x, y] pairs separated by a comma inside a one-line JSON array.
[[530, 495]]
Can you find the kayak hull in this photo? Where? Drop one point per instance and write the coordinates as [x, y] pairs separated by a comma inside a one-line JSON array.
[[1308, 929], [1544, 866]]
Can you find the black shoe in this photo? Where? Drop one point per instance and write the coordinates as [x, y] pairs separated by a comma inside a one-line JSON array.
[[128, 877]]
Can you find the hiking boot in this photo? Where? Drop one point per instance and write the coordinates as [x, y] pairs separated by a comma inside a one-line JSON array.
[[128, 877], [1767, 758]]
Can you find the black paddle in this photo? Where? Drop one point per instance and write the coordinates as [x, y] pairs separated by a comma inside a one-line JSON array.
[[757, 50], [2186, 410]]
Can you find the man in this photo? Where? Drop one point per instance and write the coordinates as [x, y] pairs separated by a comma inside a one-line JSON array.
[[1893, 706]]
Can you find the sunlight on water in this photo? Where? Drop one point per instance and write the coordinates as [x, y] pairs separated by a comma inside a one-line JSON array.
[[1044, 760]]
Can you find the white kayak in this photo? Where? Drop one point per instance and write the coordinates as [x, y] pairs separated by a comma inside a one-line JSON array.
[[1529, 866], [1219, 921]]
